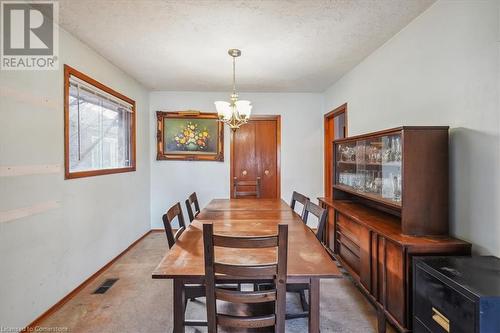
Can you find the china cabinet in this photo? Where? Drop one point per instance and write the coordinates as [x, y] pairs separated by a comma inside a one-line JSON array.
[[402, 170], [389, 203]]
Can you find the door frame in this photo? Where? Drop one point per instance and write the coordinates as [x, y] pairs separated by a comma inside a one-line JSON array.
[[276, 118], [328, 166]]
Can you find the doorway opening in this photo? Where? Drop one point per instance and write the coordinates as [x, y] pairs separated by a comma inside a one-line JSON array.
[[335, 124]]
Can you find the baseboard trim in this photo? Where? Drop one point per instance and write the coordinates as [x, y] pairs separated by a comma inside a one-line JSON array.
[[36, 323]]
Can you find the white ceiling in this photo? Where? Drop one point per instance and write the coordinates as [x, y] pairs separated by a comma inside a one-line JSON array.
[[292, 46]]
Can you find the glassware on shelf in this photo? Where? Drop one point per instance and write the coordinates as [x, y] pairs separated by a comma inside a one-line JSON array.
[[342, 178], [359, 182], [360, 152], [396, 179], [374, 155], [373, 183], [346, 178], [391, 187], [378, 185], [391, 149], [387, 187], [370, 182], [397, 148], [386, 149], [347, 153], [386, 156], [371, 166]]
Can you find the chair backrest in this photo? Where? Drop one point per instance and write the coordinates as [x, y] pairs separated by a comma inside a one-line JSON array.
[[192, 199], [255, 273], [168, 218], [297, 197], [240, 188], [320, 213]]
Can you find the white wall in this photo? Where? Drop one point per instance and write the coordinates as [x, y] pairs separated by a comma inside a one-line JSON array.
[[442, 69], [301, 149], [46, 255]]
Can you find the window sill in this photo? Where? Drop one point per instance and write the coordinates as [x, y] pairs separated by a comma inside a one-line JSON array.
[[92, 173]]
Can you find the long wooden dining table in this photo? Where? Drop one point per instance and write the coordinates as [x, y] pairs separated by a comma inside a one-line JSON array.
[[308, 261]]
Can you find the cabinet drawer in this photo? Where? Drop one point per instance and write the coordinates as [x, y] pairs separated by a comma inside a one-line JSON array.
[[349, 227], [346, 241], [349, 257], [438, 305], [418, 327]]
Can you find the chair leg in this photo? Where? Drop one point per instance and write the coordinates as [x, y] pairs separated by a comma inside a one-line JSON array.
[[303, 301], [192, 322], [305, 308]]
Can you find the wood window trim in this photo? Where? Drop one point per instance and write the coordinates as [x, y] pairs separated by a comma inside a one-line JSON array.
[[328, 158], [276, 118], [68, 72]]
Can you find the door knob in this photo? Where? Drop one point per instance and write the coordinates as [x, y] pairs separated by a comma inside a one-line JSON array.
[[244, 173], [266, 172]]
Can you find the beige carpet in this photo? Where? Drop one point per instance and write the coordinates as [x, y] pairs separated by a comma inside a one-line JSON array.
[[137, 303]]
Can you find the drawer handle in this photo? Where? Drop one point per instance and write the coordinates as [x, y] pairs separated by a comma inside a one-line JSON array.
[[439, 318]]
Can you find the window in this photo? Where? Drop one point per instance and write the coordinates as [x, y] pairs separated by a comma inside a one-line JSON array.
[[99, 128]]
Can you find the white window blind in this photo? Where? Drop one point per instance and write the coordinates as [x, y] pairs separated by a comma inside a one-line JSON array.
[[100, 128]]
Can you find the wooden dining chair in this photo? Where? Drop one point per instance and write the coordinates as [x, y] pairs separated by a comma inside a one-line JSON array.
[[174, 212], [297, 197], [217, 271], [192, 200], [300, 288], [240, 188], [191, 291], [320, 213]]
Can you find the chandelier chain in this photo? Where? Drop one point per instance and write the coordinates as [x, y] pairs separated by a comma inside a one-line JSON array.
[[234, 75]]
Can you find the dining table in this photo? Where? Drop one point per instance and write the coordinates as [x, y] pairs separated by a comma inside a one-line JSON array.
[[307, 259]]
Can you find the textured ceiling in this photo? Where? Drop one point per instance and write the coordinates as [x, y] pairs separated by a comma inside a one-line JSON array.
[[292, 46]]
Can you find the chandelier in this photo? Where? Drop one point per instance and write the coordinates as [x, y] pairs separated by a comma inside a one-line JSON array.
[[234, 113]]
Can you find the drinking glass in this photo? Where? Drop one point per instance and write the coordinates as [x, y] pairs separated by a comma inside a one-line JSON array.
[[396, 179], [397, 148], [388, 187]]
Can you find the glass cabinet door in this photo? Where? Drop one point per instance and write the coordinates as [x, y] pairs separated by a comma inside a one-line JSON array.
[[371, 167]]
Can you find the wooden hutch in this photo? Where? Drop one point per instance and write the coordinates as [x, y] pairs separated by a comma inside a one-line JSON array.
[[390, 203]]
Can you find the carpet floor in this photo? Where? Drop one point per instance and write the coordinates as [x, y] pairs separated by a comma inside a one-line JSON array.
[[137, 303]]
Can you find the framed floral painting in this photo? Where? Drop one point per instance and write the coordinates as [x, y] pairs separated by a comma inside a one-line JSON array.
[[189, 135]]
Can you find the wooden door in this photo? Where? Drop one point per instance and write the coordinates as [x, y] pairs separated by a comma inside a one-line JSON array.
[[335, 124], [255, 149]]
